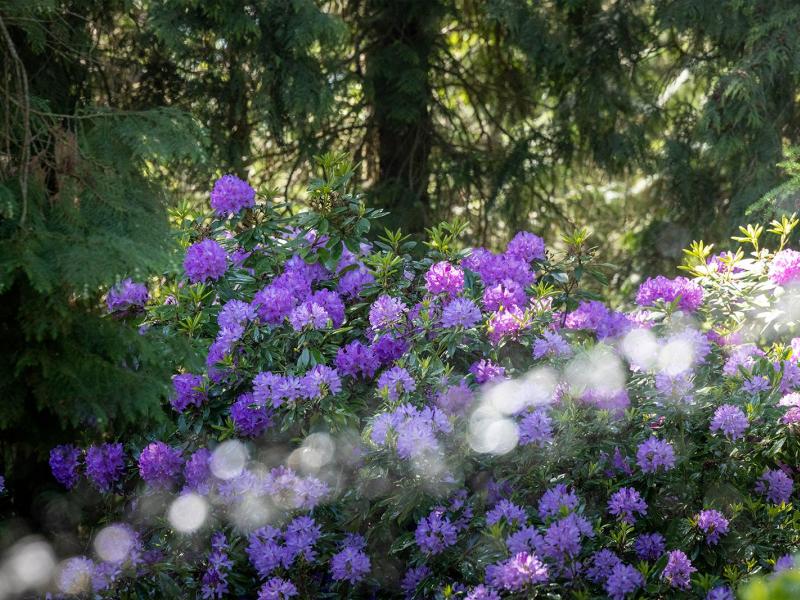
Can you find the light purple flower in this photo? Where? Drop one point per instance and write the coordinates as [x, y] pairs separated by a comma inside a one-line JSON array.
[[205, 260], [250, 418], [460, 312], [64, 462], [277, 588], [654, 454], [413, 578], [160, 464], [214, 583], [688, 293], [105, 465], [776, 485], [557, 501], [784, 563], [188, 391], [435, 533], [678, 571], [126, 295], [516, 573], [351, 563], [721, 592], [444, 278], [320, 382], [357, 360], [650, 546], [526, 246], [730, 420], [623, 580], [601, 565], [396, 381], [231, 194], [536, 427], [713, 523], [505, 509], [551, 345], [387, 313], [485, 370], [504, 294], [785, 267], [625, 502]]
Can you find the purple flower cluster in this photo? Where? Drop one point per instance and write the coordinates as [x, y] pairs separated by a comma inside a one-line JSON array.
[[105, 465], [357, 360], [776, 485], [625, 502], [189, 391], [435, 533], [536, 427], [714, 524], [551, 345], [351, 563], [679, 570], [250, 417], [270, 548], [126, 295], [277, 588], [231, 195], [444, 278], [415, 429], [160, 464], [526, 246], [622, 581], [395, 382], [688, 293], [461, 312], [64, 462], [730, 421], [785, 267], [387, 313], [485, 370], [508, 511], [650, 546], [214, 583], [517, 573], [205, 260], [557, 501], [654, 454], [597, 317]]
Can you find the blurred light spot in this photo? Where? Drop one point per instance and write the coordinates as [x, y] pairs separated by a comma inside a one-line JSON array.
[[228, 459], [113, 543], [676, 356], [640, 347], [598, 369], [490, 432], [251, 513], [188, 513], [30, 564], [317, 450]]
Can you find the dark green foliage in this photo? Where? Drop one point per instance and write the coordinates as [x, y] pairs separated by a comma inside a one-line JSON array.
[[80, 208]]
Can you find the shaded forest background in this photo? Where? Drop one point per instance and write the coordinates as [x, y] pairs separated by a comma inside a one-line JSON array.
[[650, 122]]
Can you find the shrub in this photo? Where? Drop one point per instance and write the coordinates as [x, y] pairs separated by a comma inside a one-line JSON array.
[[376, 418]]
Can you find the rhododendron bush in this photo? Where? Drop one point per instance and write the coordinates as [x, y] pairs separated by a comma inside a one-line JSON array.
[[380, 419]]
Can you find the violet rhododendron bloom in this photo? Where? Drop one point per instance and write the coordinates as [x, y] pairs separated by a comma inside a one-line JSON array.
[[105, 465], [625, 503], [688, 293], [444, 278], [351, 563], [650, 546], [776, 485], [127, 295], [714, 524], [160, 464], [785, 267], [188, 391], [623, 581], [64, 461], [461, 312], [205, 260], [231, 195], [730, 421], [679, 570], [654, 455], [517, 573]]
